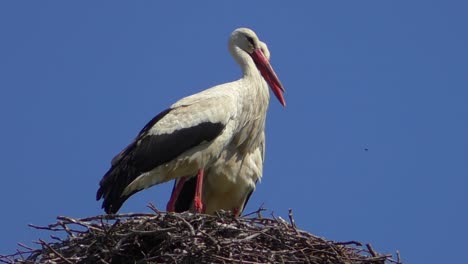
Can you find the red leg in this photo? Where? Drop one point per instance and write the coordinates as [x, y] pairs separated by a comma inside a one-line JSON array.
[[170, 207], [197, 200], [236, 212]]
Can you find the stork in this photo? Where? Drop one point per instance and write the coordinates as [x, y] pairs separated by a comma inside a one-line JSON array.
[[200, 131]]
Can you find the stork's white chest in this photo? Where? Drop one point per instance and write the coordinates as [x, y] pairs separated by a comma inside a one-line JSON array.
[[253, 102]]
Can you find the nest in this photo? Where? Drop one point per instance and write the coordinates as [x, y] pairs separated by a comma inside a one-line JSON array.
[[162, 237]]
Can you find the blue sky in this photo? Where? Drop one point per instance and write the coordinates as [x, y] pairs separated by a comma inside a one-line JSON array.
[[78, 80]]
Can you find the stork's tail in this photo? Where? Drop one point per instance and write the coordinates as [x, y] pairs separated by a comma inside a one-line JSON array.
[[112, 186]]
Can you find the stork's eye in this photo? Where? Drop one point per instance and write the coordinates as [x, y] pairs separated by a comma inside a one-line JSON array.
[[250, 40]]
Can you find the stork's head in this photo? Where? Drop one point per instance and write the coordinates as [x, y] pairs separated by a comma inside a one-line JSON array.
[[247, 41]]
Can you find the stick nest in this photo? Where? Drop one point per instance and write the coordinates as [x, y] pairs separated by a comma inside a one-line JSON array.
[[162, 237]]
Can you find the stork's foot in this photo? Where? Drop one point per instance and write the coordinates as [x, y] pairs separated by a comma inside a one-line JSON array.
[[198, 205], [197, 200]]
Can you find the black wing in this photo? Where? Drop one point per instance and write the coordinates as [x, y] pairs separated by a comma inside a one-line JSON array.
[[247, 199], [146, 153]]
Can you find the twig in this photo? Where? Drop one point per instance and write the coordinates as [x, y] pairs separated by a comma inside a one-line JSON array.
[[55, 252], [257, 212], [291, 219], [192, 230], [349, 243], [24, 246], [371, 250], [153, 208]]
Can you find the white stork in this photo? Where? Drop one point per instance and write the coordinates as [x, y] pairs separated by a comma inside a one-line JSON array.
[[206, 131]]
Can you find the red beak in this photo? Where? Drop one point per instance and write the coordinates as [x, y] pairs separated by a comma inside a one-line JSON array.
[[268, 74]]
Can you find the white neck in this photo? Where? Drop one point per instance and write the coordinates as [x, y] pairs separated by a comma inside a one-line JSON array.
[[255, 95], [245, 61]]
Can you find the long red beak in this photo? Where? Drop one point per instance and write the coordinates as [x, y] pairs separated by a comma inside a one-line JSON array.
[[268, 74]]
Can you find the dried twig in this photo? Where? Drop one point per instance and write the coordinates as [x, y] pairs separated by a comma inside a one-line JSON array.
[[371, 250], [49, 247], [291, 219]]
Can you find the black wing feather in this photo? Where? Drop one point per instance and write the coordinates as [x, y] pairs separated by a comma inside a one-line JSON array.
[[146, 153], [248, 198]]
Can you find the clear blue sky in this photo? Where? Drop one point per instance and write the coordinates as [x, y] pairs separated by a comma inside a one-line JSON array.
[[78, 80]]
